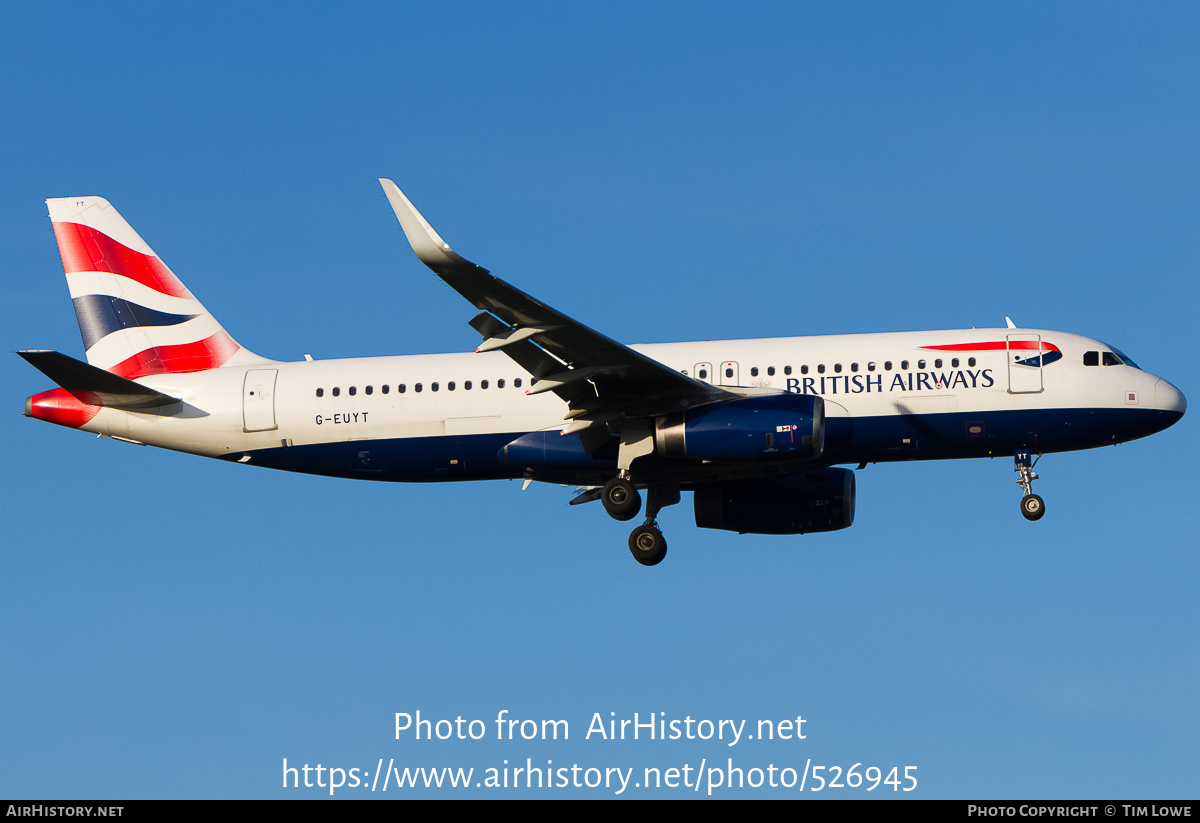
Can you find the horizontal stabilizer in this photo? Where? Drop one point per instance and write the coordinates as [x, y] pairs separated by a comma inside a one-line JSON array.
[[94, 386]]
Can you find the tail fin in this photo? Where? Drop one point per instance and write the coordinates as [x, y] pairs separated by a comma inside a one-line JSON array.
[[135, 316]]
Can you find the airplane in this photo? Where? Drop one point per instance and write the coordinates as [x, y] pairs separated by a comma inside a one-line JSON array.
[[758, 430]]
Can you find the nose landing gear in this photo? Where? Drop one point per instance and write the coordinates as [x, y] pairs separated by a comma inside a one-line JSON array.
[[1032, 506]]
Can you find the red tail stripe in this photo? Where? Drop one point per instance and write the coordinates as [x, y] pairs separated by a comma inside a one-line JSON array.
[[1000, 345], [84, 249], [210, 353]]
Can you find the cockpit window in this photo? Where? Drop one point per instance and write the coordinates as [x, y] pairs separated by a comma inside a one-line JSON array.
[[1120, 357], [1124, 358]]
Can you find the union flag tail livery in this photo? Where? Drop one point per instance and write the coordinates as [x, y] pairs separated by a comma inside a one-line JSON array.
[[756, 429], [135, 316]]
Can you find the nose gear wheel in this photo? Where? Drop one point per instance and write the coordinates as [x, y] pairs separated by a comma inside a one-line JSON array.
[[1032, 506]]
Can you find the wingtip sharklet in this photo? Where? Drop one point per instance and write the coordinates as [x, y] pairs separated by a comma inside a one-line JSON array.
[[428, 245]]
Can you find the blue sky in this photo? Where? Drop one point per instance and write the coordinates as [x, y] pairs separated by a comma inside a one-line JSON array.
[[175, 627]]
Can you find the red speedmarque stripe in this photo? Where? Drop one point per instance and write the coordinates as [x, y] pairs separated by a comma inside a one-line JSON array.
[[998, 346], [209, 353], [84, 249]]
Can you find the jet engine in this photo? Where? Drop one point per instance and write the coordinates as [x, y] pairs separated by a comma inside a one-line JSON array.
[[816, 501], [752, 428]]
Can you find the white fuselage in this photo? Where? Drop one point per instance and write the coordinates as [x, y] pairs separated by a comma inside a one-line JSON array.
[[896, 377]]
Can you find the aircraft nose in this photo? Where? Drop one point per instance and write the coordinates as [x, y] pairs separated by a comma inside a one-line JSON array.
[[1169, 398]]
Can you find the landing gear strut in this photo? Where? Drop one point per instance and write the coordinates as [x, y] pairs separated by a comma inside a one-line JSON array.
[[622, 501], [1032, 506], [647, 543]]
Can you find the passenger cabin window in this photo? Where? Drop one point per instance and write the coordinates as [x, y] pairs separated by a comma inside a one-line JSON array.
[[369, 389], [320, 392], [804, 369], [336, 391], [787, 369], [754, 371], [353, 390], [517, 382], [770, 371], [970, 361], [401, 388], [385, 388]]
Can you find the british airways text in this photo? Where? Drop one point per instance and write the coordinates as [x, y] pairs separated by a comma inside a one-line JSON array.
[[910, 381]]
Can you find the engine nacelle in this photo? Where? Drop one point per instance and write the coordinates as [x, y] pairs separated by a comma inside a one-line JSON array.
[[549, 449], [816, 501], [779, 425]]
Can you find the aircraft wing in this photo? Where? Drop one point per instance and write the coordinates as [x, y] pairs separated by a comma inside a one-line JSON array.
[[602, 380]]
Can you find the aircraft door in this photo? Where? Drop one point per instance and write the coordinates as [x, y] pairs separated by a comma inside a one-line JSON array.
[[1024, 363], [258, 400], [728, 374], [704, 371]]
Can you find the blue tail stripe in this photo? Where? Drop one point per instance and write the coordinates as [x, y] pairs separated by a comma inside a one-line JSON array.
[[100, 315]]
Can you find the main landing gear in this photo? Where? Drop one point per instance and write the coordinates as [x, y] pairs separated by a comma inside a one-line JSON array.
[[647, 545], [622, 502], [1032, 506], [621, 499]]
